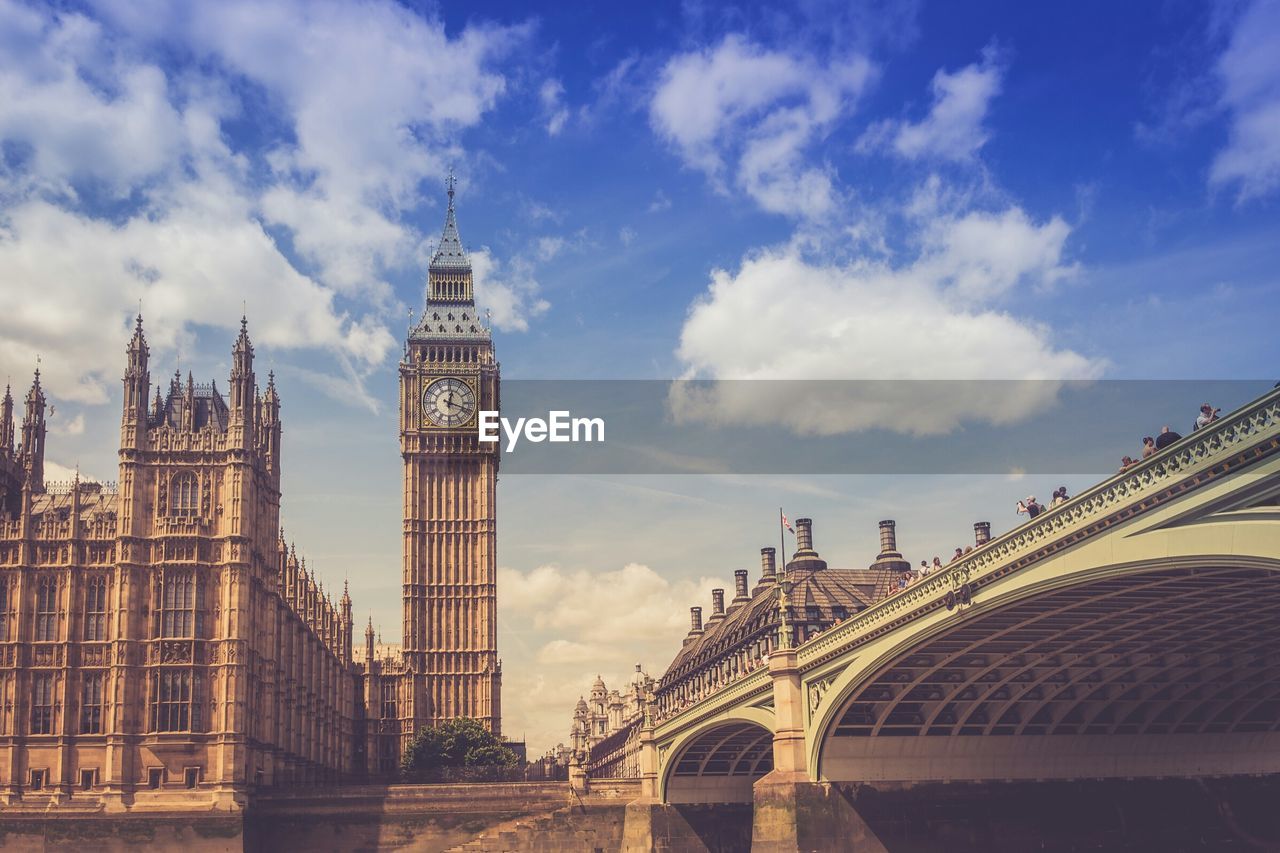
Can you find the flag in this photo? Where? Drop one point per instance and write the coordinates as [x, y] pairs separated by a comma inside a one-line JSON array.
[[787, 524]]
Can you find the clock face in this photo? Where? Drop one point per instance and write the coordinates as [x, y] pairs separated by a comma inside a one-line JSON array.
[[448, 402]]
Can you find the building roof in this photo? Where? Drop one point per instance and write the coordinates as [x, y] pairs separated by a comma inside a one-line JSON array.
[[450, 255], [209, 409], [831, 591], [94, 499]]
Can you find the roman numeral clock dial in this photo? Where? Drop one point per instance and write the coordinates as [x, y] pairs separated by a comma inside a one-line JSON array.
[[448, 402]]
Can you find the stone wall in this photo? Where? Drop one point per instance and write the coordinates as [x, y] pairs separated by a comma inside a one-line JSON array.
[[524, 816], [123, 834], [392, 817]]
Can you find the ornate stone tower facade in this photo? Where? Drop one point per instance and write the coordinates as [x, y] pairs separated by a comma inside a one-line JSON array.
[[160, 646], [448, 375]]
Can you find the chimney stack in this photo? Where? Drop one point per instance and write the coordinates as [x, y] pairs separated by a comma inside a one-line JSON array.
[[740, 594], [888, 537], [804, 535], [981, 533], [717, 604], [695, 620], [768, 565]]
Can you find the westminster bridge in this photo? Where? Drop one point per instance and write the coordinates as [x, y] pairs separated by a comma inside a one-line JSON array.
[[1130, 633]]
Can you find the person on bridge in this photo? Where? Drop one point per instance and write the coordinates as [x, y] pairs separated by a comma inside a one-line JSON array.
[[1166, 438], [1059, 496], [937, 564], [1208, 414], [1148, 447], [1029, 506]]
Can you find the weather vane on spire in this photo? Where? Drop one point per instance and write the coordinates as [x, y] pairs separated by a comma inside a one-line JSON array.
[[450, 184]]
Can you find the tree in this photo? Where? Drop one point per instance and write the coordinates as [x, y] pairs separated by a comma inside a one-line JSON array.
[[461, 742]]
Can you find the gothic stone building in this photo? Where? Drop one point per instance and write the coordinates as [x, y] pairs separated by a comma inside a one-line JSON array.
[[608, 711], [161, 645], [447, 663]]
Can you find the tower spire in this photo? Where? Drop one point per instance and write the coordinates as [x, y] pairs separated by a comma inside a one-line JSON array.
[[6, 422], [243, 387], [137, 387], [449, 254], [33, 432]]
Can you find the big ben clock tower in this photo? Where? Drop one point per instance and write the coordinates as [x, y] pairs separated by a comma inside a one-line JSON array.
[[448, 375]]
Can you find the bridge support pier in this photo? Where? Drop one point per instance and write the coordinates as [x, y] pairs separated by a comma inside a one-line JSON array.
[[648, 824], [791, 812]]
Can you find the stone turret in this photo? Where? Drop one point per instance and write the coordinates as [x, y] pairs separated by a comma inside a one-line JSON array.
[[269, 414], [346, 623], [243, 388], [6, 423], [33, 432], [137, 389]]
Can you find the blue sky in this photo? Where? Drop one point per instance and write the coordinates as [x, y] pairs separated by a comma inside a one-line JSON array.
[[822, 190]]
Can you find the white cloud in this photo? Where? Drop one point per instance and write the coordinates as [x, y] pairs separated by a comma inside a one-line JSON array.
[[953, 128], [627, 235], [72, 274], [55, 472], [1250, 74], [576, 623], [551, 96], [741, 112], [119, 132], [548, 247], [633, 609], [782, 315], [509, 291], [660, 202], [569, 652], [67, 426], [367, 102]]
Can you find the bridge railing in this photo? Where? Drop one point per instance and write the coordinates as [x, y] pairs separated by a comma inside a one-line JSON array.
[[1198, 452]]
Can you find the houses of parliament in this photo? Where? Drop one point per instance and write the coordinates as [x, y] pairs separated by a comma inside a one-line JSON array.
[[161, 642]]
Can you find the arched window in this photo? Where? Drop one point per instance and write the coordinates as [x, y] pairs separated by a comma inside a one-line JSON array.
[[175, 700], [4, 609], [177, 604], [95, 609], [47, 610], [43, 696], [184, 495], [91, 703]]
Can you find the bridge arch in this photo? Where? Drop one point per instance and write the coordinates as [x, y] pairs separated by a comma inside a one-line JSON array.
[[719, 760], [1156, 667]]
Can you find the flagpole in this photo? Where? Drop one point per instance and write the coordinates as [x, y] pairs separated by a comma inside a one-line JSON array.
[[782, 542], [784, 632]]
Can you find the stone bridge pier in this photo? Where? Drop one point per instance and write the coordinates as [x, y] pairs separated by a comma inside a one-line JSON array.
[[789, 812]]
